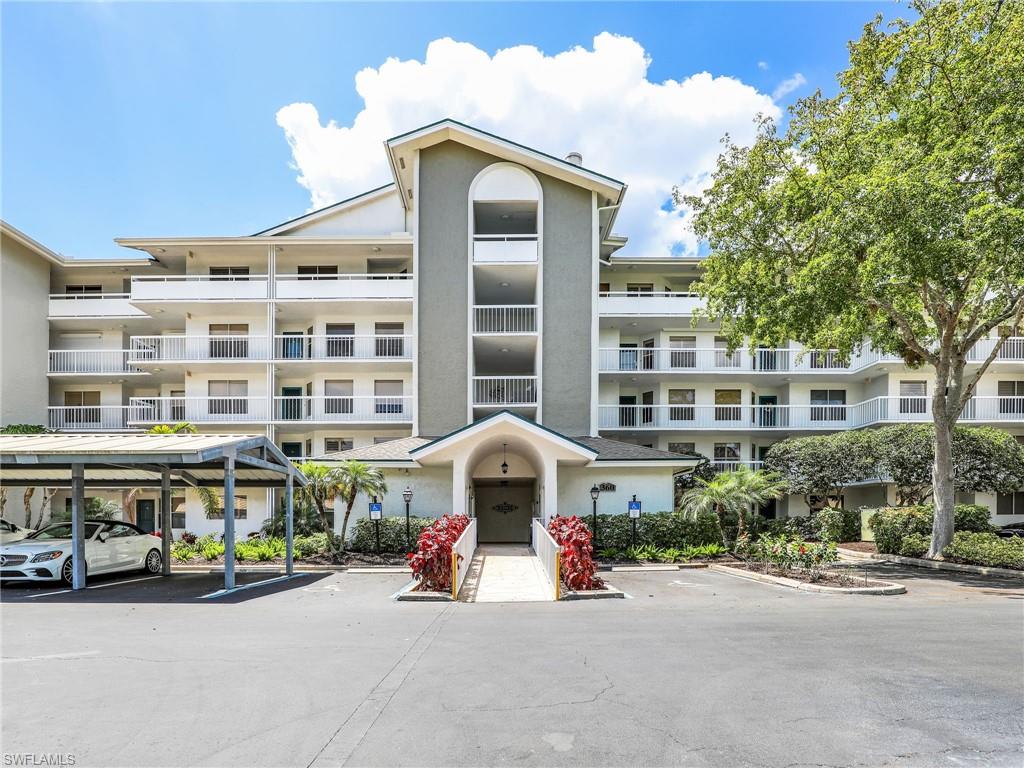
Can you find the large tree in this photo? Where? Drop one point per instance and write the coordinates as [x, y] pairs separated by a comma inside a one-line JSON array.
[[891, 213]]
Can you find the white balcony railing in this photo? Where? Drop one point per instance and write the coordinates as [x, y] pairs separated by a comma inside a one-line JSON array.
[[505, 318], [504, 248], [504, 390], [170, 348], [344, 287], [198, 410], [1011, 351], [660, 303], [86, 305], [800, 417], [549, 553], [342, 348], [343, 408], [177, 288], [731, 465], [88, 418], [90, 361]]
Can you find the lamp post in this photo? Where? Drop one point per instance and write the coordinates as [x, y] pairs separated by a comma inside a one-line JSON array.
[[594, 493], [407, 495]]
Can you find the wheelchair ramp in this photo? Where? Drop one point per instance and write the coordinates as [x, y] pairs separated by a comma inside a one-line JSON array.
[[505, 573]]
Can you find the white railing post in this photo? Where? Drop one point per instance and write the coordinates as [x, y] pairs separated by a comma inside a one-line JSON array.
[[462, 556], [549, 553]]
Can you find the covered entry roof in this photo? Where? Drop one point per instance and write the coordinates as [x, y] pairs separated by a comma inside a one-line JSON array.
[[117, 459]]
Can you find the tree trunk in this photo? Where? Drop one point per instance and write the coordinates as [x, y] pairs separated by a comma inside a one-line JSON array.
[[325, 523], [28, 505], [344, 525], [943, 488], [741, 524]]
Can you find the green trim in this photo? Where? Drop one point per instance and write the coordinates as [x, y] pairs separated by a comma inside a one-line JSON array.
[[494, 415], [560, 161], [325, 208]]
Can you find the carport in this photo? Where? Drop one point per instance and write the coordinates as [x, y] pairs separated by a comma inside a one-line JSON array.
[[119, 460]]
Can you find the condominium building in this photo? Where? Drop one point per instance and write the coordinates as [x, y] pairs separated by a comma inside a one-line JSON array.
[[471, 327]]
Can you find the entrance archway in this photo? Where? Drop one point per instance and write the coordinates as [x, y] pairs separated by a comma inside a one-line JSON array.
[[504, 503]]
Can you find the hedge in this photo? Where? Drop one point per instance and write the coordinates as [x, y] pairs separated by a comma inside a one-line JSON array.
[[392, 533], [657, 529], [837, 525], [891, 525], [986, 549]]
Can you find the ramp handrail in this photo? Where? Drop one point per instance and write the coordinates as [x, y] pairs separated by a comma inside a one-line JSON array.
[[465, 546], [549, 554]]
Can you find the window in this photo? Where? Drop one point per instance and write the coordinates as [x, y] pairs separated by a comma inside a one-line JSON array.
[[1011, 397], [293, 450], [684, 351], [604, 287], [177, 405], [77, 290], [1010, 503], [387, 396], [389, 341], [682, 447], [228, 397], [240, 508], [338, 396], [727, 455], [229, 347], [683, 397], [639, 289], [340, 341], [723, 358], [178, 512], [315, 271], [727, 405], [828, 405], [82, 407], [335, 444], [226, 273], [913, 397], [121, 531], [821, 502], [627, 356]]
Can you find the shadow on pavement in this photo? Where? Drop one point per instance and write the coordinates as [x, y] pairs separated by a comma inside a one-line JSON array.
[[1010, 587]]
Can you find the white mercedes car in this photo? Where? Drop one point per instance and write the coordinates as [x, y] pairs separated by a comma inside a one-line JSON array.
[[10, 532], [110, 545]]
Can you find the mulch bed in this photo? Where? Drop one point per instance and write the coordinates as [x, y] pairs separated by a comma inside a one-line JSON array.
[[860, 546], [827, 578]]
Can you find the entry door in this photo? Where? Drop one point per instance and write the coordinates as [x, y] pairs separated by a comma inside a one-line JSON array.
[[145, 514], [293, 347], [647, 356], [504, 513], [766, 416], [291, 405], [647, 414], [627, 413]]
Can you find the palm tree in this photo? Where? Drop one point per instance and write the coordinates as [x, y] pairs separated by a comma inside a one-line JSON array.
[[733, 491], [209, 498], [323, 486], [357, 477], [181, 428]]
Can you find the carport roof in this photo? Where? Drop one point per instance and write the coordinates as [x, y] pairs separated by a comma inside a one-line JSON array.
[[119, 459]]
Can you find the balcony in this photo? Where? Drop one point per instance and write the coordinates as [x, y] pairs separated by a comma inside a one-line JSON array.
[[96, 362], [383, 287], [655, 303], [92, 305], [344, 409], [180, 348], [714, 360], [810, 417], [1011, 351], [505, 319], [198, 410], [198, 288], [88, 418], [505, 249], [341, 348], [731, 465], [504, 391]]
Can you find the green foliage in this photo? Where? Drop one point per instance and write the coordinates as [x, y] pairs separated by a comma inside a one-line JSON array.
[[891, 525], [208, 548], [392, 533], [658, 529], [915, 545], [732, 493], [823, 465], [784, 553], [986, 549], [703, 551], [181, 428], [305, 520], [182, 551], [836, 525], [345, 481], [23, 429], [311, 545]]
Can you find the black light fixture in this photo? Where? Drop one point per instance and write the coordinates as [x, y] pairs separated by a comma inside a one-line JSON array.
[[594, 493], [407, 496], [504, 463]]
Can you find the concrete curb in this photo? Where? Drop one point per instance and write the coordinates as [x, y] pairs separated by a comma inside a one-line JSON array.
[[608, 593], [406, 594], [941, 565], [891, 588], [311, 568], [653, 567]]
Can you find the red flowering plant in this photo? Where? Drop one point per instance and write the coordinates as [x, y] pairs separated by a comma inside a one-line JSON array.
[[431, 563], [579, 571]]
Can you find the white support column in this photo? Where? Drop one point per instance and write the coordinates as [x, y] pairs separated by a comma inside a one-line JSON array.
[[459, 487], [550, 492], [229, 520], [78, 526], [289, 516], [165, 520]]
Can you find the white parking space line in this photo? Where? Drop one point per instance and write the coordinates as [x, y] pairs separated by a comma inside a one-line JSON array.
[[241, 587], [48, 656], [94, 586]]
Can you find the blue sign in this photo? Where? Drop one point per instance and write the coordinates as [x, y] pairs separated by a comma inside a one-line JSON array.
[[376, 510], [634, 508]]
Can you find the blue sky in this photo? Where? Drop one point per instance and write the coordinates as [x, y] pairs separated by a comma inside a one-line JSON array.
[[159, 119]]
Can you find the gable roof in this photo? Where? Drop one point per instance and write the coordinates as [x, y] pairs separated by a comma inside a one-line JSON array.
[[328, 210], [390, 451], [508, 416], [615, 450]]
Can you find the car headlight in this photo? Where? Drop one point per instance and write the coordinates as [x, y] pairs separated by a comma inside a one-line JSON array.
[[42, 557]]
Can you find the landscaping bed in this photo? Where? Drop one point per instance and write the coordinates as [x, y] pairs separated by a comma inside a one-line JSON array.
[[826, 577], [867, 547]]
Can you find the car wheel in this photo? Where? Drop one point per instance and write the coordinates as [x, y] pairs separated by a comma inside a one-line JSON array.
[[154, 561], [67, 572]]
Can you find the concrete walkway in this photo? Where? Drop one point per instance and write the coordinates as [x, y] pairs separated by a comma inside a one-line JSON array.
[[505, 573]]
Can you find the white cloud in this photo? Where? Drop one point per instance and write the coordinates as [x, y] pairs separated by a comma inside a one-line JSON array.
[[789, 85], [762, 65], [598, 102]]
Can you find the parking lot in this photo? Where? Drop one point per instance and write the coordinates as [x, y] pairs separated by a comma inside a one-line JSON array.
[[698, 668]]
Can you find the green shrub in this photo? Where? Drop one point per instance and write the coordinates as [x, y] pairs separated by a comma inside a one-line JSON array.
[[260, 550], [657, 529], [704, 550], [311, 545], [785, 553], [836, 524], [392, 533], [182, 552], [799, 527], [915, 545], [211, 550], [986, 549], [890, 525]]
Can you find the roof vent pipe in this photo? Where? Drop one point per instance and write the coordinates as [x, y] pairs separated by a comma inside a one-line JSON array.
[[575, 158]]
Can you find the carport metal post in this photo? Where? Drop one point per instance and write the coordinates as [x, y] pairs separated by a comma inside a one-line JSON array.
[[78, 526], [165, 520], [229, 519], [289, 523]]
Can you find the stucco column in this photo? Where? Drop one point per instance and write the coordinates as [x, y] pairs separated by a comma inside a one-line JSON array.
[[459, 486], [549, 500]]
